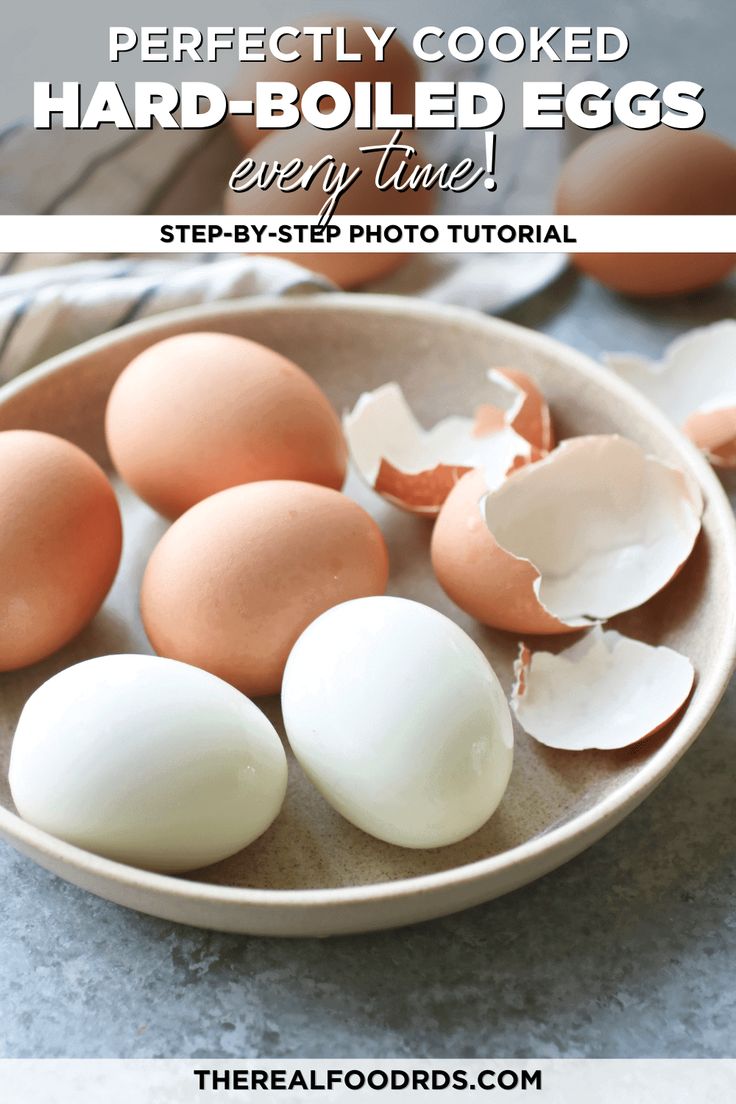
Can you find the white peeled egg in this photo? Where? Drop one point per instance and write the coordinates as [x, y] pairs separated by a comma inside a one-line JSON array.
[[398, 719], [147, 761]]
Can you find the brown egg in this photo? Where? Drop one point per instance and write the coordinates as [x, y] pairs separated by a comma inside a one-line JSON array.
[[399, 67], [654, 172], [197, 413], [236, 580], [361, 198], [60, 543], [472, 570]]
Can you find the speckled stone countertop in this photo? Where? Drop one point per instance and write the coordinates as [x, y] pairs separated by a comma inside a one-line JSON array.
[[629, 950]]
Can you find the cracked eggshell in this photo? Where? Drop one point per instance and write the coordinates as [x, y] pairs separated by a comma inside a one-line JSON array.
[[416, 468], [476, 574], [713, 430], [605, 692], [594, 529], [694, 384], [522, 406]]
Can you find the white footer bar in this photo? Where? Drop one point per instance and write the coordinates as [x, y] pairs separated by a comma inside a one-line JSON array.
[[551, 1081]]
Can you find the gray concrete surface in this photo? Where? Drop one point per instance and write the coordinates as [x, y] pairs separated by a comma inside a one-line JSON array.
[[630, 950]]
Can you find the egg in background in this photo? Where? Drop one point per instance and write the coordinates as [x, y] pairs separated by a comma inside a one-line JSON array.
[[399, 67], [651, 172]]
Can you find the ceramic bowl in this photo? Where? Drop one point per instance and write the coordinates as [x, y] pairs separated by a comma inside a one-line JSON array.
[[313, 873]]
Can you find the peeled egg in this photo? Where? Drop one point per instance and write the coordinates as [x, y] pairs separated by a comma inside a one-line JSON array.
[[234, 581], [398, 719], [60, 544], [399, 68], [651, 172], [148, 762], [200, 412], [361, 198]]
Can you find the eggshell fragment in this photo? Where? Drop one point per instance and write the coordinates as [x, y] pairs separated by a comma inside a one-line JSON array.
[[200, 412], [606, 691], [713, 430], [399, 720], [147, 761], [416, 468], [237, 578], [695, 385], [595, 528], [60, 544], [523, 407]]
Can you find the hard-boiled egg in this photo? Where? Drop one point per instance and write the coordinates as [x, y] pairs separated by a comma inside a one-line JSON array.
[[60, 542], [397, 717], [147, 761], [199, 412], [234, 581]]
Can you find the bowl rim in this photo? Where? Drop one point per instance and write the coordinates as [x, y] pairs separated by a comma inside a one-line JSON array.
[[560, 840]]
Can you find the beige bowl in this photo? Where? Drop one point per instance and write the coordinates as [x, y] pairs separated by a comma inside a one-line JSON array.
[[312, 873]]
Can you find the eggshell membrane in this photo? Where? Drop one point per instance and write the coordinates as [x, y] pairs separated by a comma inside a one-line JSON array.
[[592, 530], [416, 468], [695, 384], [236, 579], [348, 270], [651, 172], [399, 67], [200, 412], [604, 692], [60, 544], [478, 575]]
